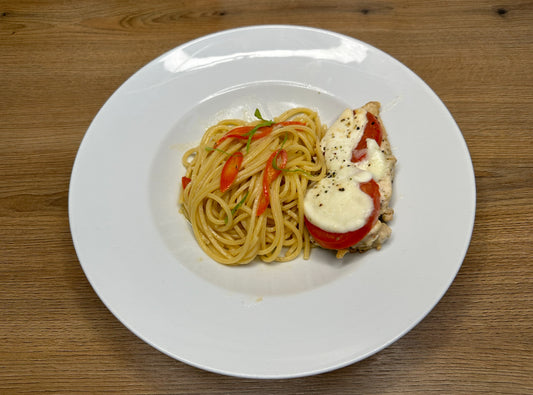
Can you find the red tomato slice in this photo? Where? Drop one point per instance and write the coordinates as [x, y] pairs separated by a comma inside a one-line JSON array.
[[237, 133], [241, 132], [230, 170], [372, 131], [185, 181], [269, 175], [339, 241]]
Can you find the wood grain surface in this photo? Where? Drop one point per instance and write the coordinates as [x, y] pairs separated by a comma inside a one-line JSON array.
[[61, 60]]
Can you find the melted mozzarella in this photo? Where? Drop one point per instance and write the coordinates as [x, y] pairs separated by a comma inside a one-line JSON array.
[[375, 161], [335, 203]]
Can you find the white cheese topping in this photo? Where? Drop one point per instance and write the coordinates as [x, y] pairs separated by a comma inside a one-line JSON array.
[[335, 203], [375, 161]]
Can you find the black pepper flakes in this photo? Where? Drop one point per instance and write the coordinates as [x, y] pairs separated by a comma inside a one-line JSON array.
[[341, 189]]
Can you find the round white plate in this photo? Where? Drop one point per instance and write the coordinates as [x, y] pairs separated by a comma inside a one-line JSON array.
[[265, 320]]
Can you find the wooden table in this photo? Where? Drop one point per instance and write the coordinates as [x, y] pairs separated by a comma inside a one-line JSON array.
[[61, 60]]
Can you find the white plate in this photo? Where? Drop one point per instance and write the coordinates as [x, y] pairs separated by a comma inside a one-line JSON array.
[[278, 320]]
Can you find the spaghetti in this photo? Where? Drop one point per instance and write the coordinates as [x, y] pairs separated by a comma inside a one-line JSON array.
[[245, 183]]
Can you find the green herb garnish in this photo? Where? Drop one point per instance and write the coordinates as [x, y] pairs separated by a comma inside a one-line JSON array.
[[251, 133], [238, 206]]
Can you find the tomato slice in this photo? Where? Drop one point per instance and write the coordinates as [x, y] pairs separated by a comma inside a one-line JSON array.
[[372, 131], [230, 170], [270, 173], [242, 132], [339, 241], [185, 181]]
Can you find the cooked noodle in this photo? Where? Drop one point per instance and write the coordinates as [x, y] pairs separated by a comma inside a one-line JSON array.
[[279, 233]]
